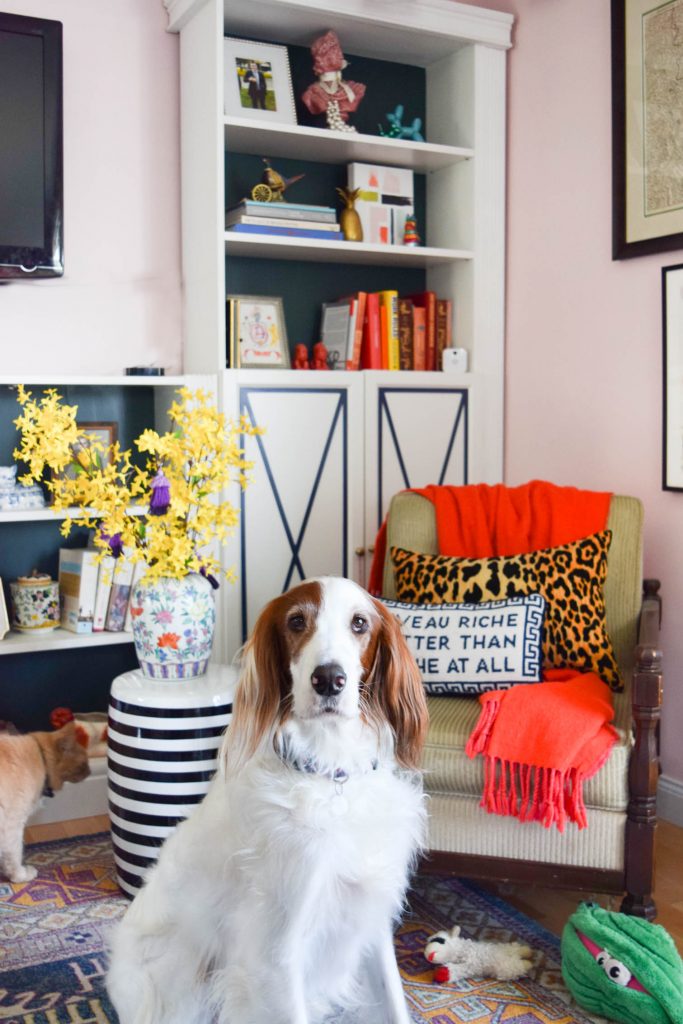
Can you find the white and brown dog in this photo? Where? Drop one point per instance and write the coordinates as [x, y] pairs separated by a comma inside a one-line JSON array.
[[274, 903]]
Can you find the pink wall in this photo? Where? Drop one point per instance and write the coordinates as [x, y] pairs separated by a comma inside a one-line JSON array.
[[119, 302], [584, 333]]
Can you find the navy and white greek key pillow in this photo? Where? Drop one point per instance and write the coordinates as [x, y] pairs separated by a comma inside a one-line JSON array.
[[466, 649]]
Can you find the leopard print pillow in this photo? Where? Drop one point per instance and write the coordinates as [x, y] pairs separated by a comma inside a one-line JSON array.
[[569, 577]]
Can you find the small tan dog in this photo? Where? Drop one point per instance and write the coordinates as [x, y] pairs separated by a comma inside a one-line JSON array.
[[32, 766]]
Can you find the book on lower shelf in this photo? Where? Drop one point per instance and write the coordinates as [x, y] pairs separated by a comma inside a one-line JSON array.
[[120, 592], [78, 572], [104, 580]]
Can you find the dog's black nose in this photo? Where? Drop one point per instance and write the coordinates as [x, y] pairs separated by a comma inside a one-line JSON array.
[[328, 680]]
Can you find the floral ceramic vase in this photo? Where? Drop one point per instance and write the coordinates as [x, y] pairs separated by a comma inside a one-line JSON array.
[[173, 625]]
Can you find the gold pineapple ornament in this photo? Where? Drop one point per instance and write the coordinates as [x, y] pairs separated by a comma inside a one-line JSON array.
[[349, 221]]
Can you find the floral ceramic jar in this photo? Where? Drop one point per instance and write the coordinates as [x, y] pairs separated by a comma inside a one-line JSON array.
[[173, 625], [35, 603]]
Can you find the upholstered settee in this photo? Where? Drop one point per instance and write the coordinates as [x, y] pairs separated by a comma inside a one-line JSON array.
[[615, 853]]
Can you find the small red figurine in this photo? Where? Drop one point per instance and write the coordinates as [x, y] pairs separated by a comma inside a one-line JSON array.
[[319, 361], [301, 358]]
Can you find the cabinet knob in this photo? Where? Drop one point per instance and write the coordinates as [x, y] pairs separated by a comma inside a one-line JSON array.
[[360, 552], [371, 550]]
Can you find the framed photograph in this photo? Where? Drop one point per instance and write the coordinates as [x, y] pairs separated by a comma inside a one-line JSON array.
[[647, 127], [4, 620], [257, 81], [672, 316], [257, 332], [105, 433]]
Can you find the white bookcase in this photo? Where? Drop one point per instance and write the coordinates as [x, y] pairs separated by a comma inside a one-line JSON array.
[[463, 51]]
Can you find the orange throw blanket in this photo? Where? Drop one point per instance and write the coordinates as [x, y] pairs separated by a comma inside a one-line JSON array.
[[480, 520], [540, 743]]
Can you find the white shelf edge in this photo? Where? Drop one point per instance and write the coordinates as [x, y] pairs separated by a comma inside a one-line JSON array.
[[36, 515], [247, 135], [314, 249], [59, 640], [64, 380]]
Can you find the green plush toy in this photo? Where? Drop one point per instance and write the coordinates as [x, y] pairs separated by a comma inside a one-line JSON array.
[[622, 967]]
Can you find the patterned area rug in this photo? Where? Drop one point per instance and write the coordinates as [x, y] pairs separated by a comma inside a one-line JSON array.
[[52, 934]]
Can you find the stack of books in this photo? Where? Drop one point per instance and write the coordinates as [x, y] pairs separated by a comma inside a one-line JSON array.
[[385, 331], [295, 220], [95, 595]]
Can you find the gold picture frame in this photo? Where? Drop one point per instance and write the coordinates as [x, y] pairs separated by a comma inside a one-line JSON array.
[[257, 332]]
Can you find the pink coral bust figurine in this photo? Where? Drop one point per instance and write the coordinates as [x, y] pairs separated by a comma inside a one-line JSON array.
[[331, 94]]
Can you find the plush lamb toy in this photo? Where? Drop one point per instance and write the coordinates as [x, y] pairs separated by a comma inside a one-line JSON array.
[[466, 958]]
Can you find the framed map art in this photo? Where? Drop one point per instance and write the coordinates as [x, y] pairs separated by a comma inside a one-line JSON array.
[[647, 126]]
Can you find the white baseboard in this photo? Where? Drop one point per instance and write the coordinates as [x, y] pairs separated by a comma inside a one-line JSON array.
[[670, 800], [79, 800]]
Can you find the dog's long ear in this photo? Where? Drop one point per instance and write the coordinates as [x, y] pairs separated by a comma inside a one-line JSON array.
[[263, 684], [395, 691]]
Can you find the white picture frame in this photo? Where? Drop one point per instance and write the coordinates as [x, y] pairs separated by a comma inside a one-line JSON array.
[[4, 619], [257, 82]]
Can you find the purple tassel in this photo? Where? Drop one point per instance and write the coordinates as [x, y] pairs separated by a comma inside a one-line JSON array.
[[161, 495], [115, 543]]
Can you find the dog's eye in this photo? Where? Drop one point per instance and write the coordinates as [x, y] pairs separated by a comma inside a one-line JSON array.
[[359, 624], [297, 623]]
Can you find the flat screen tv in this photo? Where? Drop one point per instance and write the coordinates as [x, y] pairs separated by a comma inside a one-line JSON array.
[[31, 131]]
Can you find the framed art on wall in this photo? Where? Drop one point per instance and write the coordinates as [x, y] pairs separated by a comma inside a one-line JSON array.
[[672, 315], [257, 81], [257, 332], [647, 127]]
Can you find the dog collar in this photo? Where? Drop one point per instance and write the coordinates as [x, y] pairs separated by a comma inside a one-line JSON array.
[[310, 766], [47, 788]]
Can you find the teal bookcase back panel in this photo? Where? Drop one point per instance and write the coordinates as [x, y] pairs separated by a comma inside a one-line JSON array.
[[31, 685]]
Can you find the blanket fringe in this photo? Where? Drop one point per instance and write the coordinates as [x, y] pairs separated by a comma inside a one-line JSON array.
[[524, 791]]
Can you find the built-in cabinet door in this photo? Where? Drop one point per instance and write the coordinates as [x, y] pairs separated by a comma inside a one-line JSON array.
[[302, 513], [416, 433]]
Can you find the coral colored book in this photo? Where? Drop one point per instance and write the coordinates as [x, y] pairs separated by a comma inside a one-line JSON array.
[[384, 335], [419, 338], [427, 301], [356, 339], [371, 349]]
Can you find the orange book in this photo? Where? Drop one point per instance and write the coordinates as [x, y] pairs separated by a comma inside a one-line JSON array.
[[419, 338], [427, 300], [371, 349]]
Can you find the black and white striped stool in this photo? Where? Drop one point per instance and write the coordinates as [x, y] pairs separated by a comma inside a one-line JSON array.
[[163, 739]]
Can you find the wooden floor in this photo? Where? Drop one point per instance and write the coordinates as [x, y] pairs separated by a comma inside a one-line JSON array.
[[550, 907]]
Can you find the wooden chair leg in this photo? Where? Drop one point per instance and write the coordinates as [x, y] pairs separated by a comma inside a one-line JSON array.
[[641, 820]]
